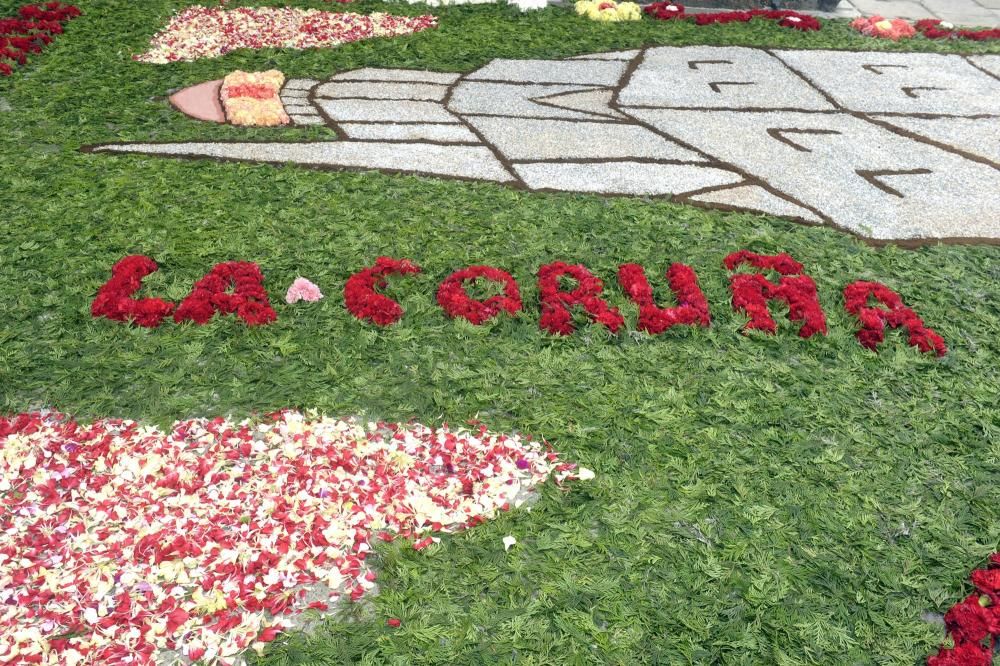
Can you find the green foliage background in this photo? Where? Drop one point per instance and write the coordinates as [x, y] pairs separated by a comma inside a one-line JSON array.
[[759, 500]]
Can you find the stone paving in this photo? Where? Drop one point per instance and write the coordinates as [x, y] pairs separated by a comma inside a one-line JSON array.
[[888, 146]]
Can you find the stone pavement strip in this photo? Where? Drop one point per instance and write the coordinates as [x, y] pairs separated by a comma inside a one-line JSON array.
[[900, 147]]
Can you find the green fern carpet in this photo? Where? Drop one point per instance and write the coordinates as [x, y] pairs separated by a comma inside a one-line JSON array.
[[759, 499]]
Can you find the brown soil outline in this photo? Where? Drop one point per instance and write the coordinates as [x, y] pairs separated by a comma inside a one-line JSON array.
[[693, 64], [716, 86], [778, 133], [873, 176], [872, 68], [909, 90]]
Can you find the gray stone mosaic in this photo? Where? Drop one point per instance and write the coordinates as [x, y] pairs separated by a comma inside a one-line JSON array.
[[899, 82], [755, 198], [610, 55], [991, 63], [637, 178], [475, 97], [299, 84], [597, 102], [717, 77], [944, 196], [526, 139], [346, 110], [383, 90], [882, 144], [374, 132], [413, 75], [462, 161], [582, 72], [976, 136]]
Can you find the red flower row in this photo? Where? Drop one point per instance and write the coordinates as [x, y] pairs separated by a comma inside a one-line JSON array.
[[974, 622], [752, 294], [785, 18], [33, 29], [932, 29], [248, 299], [211, 294]]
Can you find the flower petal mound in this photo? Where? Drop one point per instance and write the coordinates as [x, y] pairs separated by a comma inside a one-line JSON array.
[[122, 541], [608, 10], [252, 99], [204, 32], [883, 28]]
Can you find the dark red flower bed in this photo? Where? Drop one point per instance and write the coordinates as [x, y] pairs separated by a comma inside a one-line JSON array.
[[666, 11], [33, 29], [874, 319], [933, 29], [752, 291], [114, 299], [692, 308], [364, 302]]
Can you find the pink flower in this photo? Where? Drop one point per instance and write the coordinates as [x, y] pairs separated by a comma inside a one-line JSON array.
[[303, 290]]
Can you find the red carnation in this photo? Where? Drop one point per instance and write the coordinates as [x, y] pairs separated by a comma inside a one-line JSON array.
[[556, 302], [364, 302], [894, 315], [752, 292], [248, 300], [665, 11], [692, 308], [456, 302], [967, 654], [973, 623], [32, 30], [114, 299]]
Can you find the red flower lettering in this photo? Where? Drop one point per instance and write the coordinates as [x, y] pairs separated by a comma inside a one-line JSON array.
[[114, 299], [752, 291], [456, 302], [895, 315], [364, 302], [556, 316], [211, 294], [692, 308]]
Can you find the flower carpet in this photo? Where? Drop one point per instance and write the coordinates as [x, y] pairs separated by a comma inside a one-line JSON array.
[[205, 32], [122, 541], [461, 334]]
